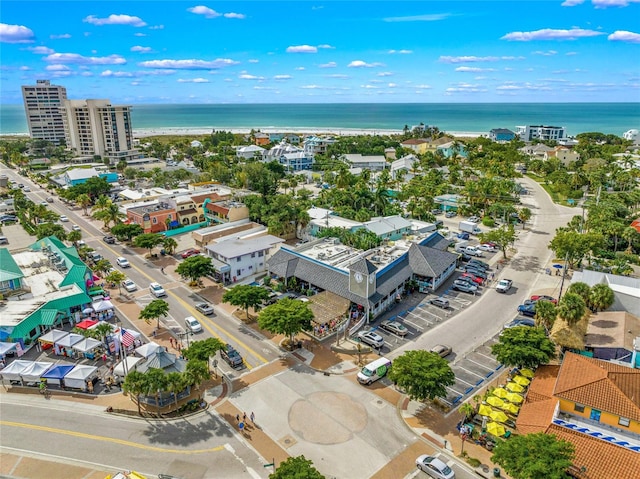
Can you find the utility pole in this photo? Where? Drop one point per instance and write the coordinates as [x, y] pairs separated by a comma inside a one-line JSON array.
[[564, 272]]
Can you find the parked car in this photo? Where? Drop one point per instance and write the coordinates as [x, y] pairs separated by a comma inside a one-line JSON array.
[[44, 203], [394, 327], [544, 297], [190, 252], [232, 357], [473, 251], [434, 467], [520, 322], [464, 287], [129, 285], [473, 277], [4, 240], [467, 279], [109, 239], [26, 189], [474, 219], [123, 262], [49, 199], [76, 228], [436, 211], [64, 218], [482, 264], [463, 236], [157, 290], [372, 339], [450, 214], [8, 218], [527, 310], [374, 371], [504, 285], [440, 302], [205, 308], [441, 350], [488, 248], [475, 271], [192, 324]]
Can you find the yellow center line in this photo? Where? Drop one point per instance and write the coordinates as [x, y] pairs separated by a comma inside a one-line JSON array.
[[195, 312], [108, 439]]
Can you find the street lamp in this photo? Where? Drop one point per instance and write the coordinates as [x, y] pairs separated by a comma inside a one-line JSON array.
[[186, 334]]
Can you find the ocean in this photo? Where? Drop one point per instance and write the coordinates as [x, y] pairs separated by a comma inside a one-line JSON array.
[[479, 118]]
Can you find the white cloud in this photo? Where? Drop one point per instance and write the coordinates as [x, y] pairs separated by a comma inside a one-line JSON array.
[[624, 36], [551, 34], [82, 60], [474, 69], [311, 87], [467, 59], [572, 3], [570, 54], [369, 87], [612, 3], [361, 64], [419, 18], [253, 60], [392, 85], [61, 36], [56, 68], [192, 80], [156, 27], [340, 76], [302, 49], [86, 74], [385, 74], [24, 68], [15, 34], [202, 10], [119, 74], [246, 76], [139, 34], [41, 50], [400, 52], [328, 65], [423, 87], [548, 53], [326, 47], [282, 77], [140, 49], [465, 88], [300, 69], [190, 64], [237, 16], [115, 20]]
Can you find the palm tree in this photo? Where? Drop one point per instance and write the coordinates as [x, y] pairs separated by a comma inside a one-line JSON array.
[[467, 410], [135, 383], [101, 331], [176, 382], [156, 383], [169, 245], [84, 200], [197, 372], [102, 266], [524, 214], [581, 289], [546, 314], [74, 236], [571, 308], [631, 236], [601, 297]]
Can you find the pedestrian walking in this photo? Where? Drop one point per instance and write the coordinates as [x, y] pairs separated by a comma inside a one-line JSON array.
[[241, 426], [162, 270], [244, 417], [238, 418], [253, 418]]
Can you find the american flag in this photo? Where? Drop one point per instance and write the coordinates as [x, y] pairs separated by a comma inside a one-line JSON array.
[[126, 338]]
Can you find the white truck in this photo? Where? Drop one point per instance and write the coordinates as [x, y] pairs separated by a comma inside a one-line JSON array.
[[469, 227], [504, 285], [460, 246]]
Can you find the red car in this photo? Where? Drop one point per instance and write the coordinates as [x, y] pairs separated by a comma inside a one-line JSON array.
[[190, 252], [544, 297], [474, 278]]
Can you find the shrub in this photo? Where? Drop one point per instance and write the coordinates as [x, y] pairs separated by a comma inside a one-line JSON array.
[[488, 221]]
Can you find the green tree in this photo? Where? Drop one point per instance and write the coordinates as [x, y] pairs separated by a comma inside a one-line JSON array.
[[571, 308], [102, 330], [148, 241], [156, 382], [169, 245], [196, 267], [573, 245], [197, 372], [296, 468], [135, 384], [535, 456], [581, 289], [116, 277], [102, 266], [155, 310], [84, 200], [51, 229], [601, 297], [524, 215], [74, 236], [523, 347], [109, 214], [203, 350], [176, 382], [246, 296], [124, 231], [503, 237], [546, 314], [422, 374], [287, 316]]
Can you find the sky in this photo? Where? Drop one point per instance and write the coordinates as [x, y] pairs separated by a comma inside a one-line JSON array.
[[145, 52]]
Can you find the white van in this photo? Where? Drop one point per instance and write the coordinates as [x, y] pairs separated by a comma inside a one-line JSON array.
[[374, 371]]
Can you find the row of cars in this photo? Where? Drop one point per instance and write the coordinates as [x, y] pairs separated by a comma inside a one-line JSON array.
[[475, 273]]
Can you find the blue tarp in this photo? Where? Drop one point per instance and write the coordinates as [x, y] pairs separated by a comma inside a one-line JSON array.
[[58, 372]]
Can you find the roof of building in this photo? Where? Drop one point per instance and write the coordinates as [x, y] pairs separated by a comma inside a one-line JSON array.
[[415, 141], [153, 208], [612, 329], [237, 247], [406, 161], [81, 173], [358, 158], [188, 211], [438, 242], [212, 196], [9, 269], [543, 383], [388, 224], [250, 149], [619, 284], [501, 131], [430, 262], [600, 384]]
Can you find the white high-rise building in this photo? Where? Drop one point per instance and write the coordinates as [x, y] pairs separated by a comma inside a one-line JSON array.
[[98, 128], [43, 107], [541, 132]]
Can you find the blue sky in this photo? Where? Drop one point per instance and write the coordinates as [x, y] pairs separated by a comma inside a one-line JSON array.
[[324, 51]]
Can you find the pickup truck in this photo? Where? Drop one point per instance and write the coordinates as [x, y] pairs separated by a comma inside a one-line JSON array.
[[504, 285], [232, 357]]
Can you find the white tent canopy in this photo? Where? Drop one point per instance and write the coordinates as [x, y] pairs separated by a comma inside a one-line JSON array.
[[34, 371], [53, 336], [69, 340], [131, 361], [103, 305], [12, 371], [147, 350], [77, 378], [86, 344], [6, 347]]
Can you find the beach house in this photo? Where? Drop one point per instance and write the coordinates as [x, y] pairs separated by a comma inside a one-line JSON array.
[[541, 132], [501, 135]]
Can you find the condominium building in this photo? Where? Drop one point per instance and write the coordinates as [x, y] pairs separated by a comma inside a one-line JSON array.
[[541, 132], [43, 107], [98, 128]]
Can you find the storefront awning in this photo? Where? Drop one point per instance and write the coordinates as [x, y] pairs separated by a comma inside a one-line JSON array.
[[48, 317]]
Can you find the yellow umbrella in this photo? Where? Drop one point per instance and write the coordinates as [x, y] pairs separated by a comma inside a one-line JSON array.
[[498, 416], [494, 401], [527, 373], [484, 410], [514, 398], [512, 408], [495, 429], [515, 387], [521, 380], [500, 392]]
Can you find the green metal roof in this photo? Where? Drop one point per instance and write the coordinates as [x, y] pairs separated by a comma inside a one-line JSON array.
[[48, 317], [9, 269], [76, 275], [77, 270]]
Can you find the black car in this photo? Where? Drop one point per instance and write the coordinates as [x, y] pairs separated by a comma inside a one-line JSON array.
[[479, 264], [520, 322], [232, 357], [476, 272], [109, 239]]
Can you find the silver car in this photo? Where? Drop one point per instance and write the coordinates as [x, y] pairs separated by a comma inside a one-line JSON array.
[[394, 327], [434, 467], [204, 308], [372, 339]]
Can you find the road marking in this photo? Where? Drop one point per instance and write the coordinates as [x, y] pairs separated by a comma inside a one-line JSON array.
[[478, 364], [122, 442]]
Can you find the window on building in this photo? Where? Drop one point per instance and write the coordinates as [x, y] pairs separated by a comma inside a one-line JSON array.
[[253, 255], [260, 254], [623, 421], [155, 220], [578, 407], [238, 272]]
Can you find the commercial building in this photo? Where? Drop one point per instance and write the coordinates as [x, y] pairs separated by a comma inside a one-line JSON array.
[[153, 218], [98, 128], [541, 132], [43, 107]]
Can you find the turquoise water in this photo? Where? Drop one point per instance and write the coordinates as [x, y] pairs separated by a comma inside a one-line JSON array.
[[613, 118]]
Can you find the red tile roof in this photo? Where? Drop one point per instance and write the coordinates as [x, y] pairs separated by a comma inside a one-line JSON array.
[[541, 387]]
